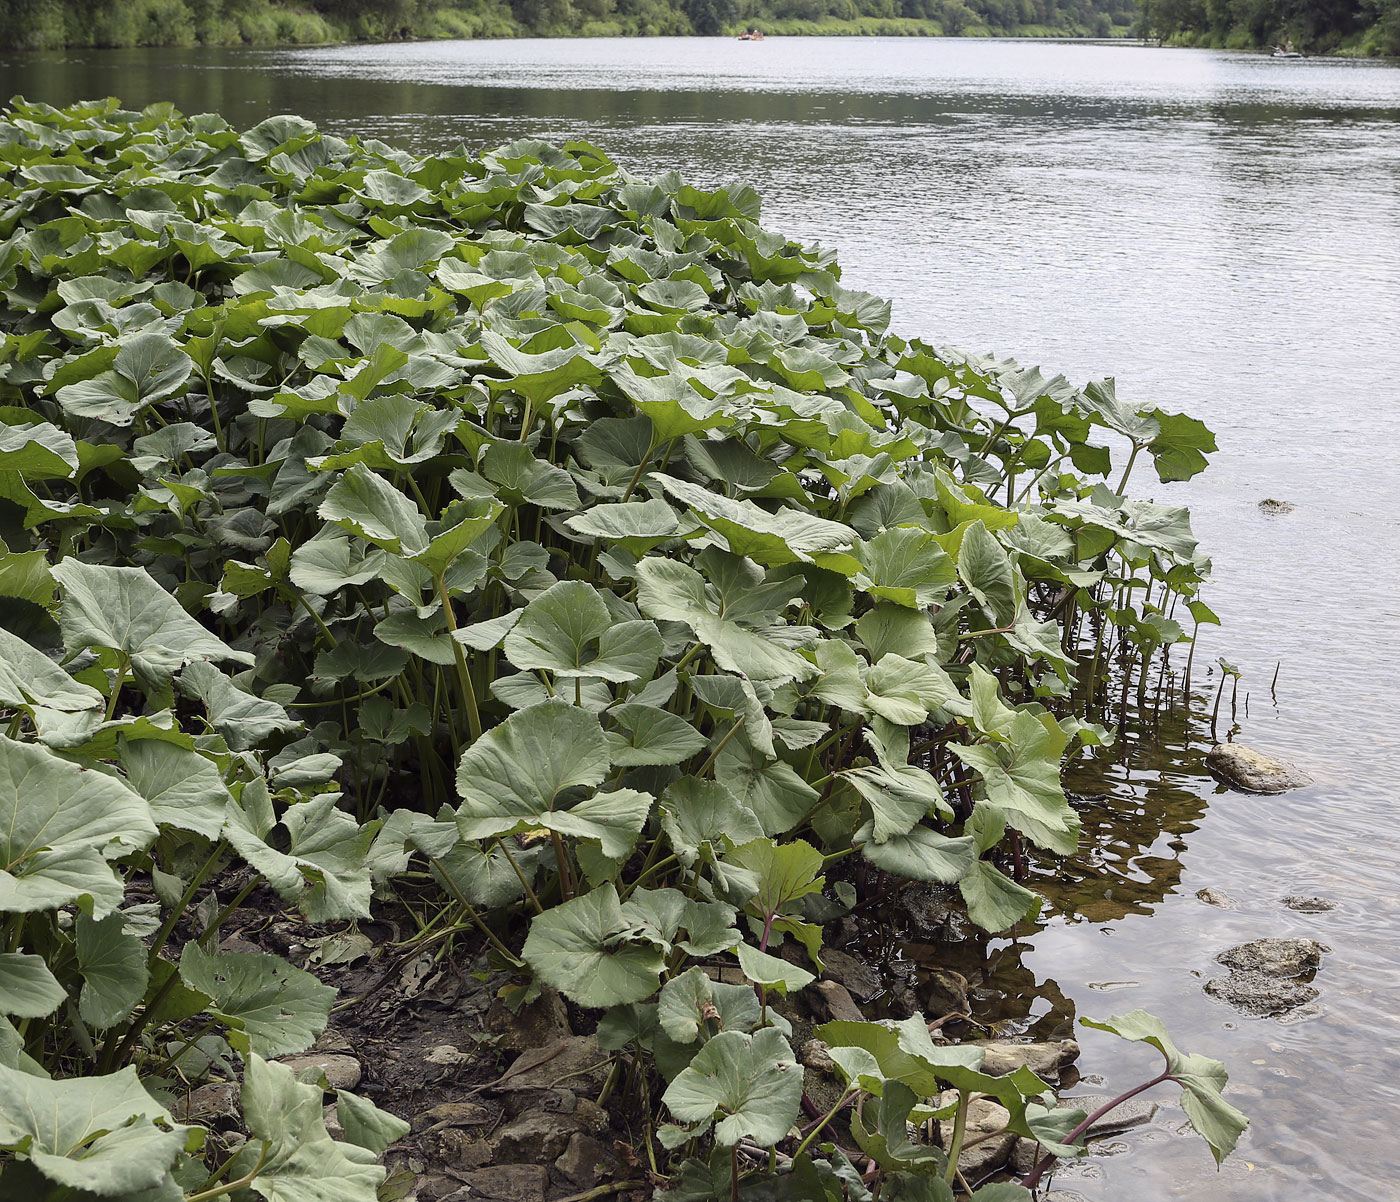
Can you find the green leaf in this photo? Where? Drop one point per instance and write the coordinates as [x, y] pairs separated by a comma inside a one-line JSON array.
[[987, 571], [30, 680], [655, 737], [126, 610], [1202, 1079], [245, 721], [364, 503], [1021, 777], [27, 988], [103, 1134], [57, 824], [184, 789], [584, 949], [751, 1081], [287, 1136], [271, 1008], [920, 855], [113, 966], [365, 1125], [698, 815], [692, 1001], [518, 771], [773, 971], [324, 867], [994, 901], [567, 630]]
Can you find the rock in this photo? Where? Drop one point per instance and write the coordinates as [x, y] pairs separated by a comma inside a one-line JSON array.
[[1253, 771], [578, 1060], [341, 1072], [1308, 905], [208, 1102], [1045, 1060], [1275, 508], [816, 1055], [586, 1160], [330, 1115], [508, 1183], [983, 1117], [538, 1136], [463, 1149], [854, 973], [446, 1056], [1274, 957], [1135, 1112], [1024, 1156], [544, 1021], [1256, 994], [455, 1114], [836, 1001], [944, 991], [1217, 898]]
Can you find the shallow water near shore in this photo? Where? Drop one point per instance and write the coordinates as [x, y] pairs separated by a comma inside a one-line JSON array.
[[1221, 232]]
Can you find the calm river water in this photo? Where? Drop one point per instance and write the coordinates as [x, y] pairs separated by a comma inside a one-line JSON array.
[[1222, 233]]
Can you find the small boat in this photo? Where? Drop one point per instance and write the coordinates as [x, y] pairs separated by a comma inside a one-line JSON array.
[[1286, 52], [751, 35]]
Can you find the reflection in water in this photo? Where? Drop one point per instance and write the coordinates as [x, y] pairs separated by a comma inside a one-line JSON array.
[[1221, 230]]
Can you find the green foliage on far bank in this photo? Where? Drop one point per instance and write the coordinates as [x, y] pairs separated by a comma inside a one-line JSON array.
[[46, 24], [1360, 28]]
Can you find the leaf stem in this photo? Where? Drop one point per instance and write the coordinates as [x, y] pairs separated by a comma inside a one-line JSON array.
[[473, 915], [463, 673], [823, 1121]]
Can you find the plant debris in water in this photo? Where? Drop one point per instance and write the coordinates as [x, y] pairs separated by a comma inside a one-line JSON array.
[[554, 549]]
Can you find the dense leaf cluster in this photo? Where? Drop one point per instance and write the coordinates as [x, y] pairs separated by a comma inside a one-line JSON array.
[[561, 533]]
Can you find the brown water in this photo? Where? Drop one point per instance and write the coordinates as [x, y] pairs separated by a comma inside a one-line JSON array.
[[1222, 232]]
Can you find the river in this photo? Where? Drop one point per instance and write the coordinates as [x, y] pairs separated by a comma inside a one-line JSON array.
[[1221, 232]]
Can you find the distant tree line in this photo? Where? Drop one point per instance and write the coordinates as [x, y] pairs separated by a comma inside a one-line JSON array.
[[1360, 27], [1355, 26], [38, 24]]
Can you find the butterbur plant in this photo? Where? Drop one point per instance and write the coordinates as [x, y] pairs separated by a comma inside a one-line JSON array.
[[558, 537]]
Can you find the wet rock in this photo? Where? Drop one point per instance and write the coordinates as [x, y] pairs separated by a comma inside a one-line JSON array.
[[544, 1021], [983, 1118], [1308, 905], [577, 1060], [1024, 1156], [208, 1102], [1045, 1060], [586, 1161], [341, 1072], [1275, 508], [1245, 768], [1274, 957], [944, 991], [1216, 897], [1260, 995], [927, 909], [833, 1001], [1135, 1112], [816, 1055], [508, 1183], [855, 974]]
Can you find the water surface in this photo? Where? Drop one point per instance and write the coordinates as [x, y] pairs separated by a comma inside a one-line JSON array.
[[1221, 232]]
